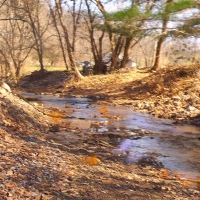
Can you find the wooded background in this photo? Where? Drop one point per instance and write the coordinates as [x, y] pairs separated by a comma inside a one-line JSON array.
[[150, 33]]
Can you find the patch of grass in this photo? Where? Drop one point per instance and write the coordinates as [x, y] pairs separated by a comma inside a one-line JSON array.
[[28, 69], [55, 68]]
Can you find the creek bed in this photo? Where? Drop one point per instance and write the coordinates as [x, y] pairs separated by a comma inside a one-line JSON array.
[[176, 146]]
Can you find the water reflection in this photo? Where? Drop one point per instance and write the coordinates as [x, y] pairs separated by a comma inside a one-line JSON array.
[[176, 153], [177, 147]]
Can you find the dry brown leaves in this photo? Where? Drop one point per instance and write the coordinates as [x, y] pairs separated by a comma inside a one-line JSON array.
[[30, 167], [90, 160]]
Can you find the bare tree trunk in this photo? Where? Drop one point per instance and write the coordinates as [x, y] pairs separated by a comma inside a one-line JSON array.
[[161, 39], [114, 64], [120, 44], [97, 51], [69, 46], [7, 65], [40, 57], [75, 17], [157, 57], [100, 62], [126, 51], [95, 48], [59, 37], [35, 23]]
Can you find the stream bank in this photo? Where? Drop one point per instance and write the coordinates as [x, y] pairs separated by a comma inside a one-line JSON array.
[[90, 166], [170, 93], [34, 165], [137, 138]]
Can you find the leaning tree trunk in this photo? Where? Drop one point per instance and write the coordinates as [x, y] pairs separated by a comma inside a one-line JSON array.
[[114, 64], [78, 75], [157, 58], [126, 51], [59, 38], [97, 49]]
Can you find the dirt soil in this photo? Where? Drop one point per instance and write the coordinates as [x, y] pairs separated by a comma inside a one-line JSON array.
[[40, 161]]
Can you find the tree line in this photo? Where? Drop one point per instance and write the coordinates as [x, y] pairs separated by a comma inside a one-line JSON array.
[[59, 29]]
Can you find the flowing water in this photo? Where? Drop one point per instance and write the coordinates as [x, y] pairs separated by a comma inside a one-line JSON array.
[[176, 146]]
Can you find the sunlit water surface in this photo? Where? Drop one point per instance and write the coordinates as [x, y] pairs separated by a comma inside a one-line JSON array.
[[176, 146]]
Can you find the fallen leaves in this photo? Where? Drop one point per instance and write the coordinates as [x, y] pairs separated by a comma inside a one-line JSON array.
[[2, 146], [35, 168], [30, 168], [10, 184], [56, 116], [21, 176], [10, 173], [104, 112], [164, 173], [90, 160]]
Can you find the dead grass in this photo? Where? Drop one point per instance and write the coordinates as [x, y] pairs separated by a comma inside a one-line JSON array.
[[105, 85], [137, 85]]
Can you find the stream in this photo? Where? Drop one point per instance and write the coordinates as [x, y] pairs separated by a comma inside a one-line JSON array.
[[176, 146]]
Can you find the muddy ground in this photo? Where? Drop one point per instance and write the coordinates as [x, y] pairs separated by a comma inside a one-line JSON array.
[[36, 163]]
